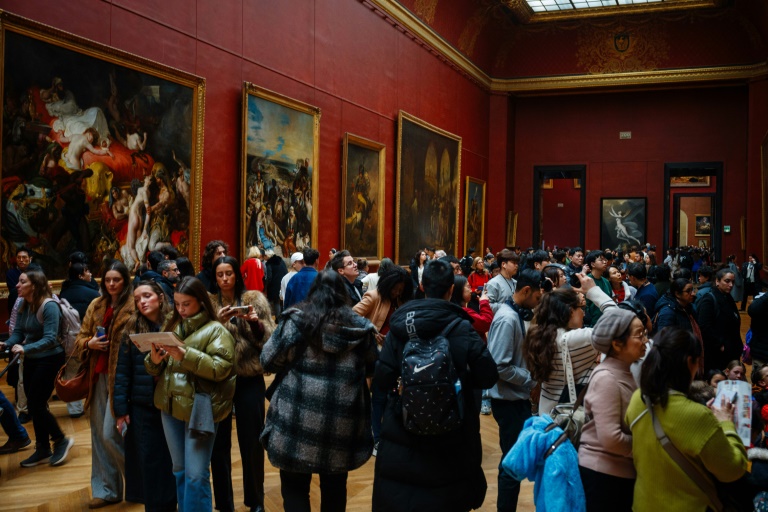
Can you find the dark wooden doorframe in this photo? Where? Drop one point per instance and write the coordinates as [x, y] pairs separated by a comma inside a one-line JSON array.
[[545, 172], [697, 169], [676, 218]]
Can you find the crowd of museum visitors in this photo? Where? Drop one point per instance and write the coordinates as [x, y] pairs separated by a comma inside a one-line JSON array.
[[640, 339]]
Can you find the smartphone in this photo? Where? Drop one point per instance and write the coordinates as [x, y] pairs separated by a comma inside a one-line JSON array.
[[124, 429], [241, 309], [480, 289], [100, 331]]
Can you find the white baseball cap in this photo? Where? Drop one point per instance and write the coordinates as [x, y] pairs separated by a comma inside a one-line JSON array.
[[297, 256]]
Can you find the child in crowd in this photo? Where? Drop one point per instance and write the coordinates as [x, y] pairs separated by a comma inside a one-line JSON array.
[[735, 371], [715, 376], [701, 392]]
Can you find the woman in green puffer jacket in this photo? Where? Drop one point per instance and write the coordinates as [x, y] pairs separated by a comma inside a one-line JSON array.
[[205, 364]]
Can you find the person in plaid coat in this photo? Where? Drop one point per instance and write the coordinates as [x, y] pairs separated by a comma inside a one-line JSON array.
[[319, 417]]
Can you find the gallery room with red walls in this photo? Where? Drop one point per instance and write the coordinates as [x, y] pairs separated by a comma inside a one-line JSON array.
[[690, 88], [626, 94]]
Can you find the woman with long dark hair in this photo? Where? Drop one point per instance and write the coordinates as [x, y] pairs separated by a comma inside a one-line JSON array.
[[111, 313], [707, 439], [214, 250], [417, 269], [462, 294], [675, 308], [148, 468], [394, 289], [250, 328], [35, 336], [557, 339], [204, 365], [322, 351], [720, 323]]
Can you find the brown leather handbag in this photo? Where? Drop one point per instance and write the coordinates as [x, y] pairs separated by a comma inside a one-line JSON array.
[[74, 388]]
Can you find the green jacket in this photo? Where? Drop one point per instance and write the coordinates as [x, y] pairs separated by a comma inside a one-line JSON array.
[[208, 366]]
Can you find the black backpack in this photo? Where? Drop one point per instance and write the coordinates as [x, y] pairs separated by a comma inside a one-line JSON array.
[[431, 397]]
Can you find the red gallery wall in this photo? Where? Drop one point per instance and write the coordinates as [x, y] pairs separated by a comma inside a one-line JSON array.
[[338, 55], [560, 205], [694, 125]]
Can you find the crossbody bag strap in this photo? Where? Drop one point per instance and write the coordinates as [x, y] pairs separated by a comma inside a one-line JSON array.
[[565, 355], [682, 461]]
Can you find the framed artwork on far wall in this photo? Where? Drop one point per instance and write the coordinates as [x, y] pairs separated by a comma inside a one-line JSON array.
[[689, 181], [362, 198], [428, 170], [102, 152], [622, 222], [280, 157], [511, 229], [703, 224], [474, 215]]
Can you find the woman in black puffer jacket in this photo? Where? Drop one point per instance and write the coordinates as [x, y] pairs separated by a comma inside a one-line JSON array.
[[720, 323], [148, 470]]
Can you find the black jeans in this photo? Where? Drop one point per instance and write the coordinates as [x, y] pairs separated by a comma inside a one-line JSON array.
[[294, 488], [607, 493], [39, 374], [510, 415], [249, 406]]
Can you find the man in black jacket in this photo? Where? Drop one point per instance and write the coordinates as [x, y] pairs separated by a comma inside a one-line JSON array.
[[432, 472], [758, 347]]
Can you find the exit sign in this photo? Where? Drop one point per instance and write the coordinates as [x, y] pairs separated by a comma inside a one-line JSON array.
[[625, 135]]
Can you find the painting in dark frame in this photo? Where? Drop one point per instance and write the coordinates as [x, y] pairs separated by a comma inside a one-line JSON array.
[[622, 222]]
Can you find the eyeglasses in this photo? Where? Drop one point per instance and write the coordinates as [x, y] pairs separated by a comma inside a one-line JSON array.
[[688, 291], [642, 336]]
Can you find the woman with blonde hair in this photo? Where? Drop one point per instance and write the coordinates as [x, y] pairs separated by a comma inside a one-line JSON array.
[[479, 276], [253, 270], [35, 336]]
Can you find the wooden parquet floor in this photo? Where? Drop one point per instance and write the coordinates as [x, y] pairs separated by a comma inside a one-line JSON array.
[[67, 488]]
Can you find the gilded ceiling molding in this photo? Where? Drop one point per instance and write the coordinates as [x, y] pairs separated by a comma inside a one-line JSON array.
[[621, 49], [409, 24], [642, 78], [525, 14]]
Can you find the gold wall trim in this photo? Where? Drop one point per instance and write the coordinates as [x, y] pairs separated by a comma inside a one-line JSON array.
[[641, 78], [405, 21], [423, 34]]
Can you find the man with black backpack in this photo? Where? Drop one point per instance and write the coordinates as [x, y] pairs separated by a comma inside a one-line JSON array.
[[430, 457]]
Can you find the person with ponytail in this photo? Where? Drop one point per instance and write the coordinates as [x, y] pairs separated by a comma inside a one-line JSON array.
[[706, 437], [557, 336]]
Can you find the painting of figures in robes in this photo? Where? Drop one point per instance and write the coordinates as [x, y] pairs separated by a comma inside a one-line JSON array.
[[474, 215], [101, 151], [280, 165], [362, 224], [428, 172]]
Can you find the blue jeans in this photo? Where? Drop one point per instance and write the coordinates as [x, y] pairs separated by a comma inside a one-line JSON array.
[[191, 458], [10, 422]]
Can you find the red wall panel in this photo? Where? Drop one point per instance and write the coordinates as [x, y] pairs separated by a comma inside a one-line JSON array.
[[561, 217], [696, 125], [334, 54]]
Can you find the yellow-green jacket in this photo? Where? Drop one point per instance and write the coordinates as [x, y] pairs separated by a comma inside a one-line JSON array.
[[208, 367]]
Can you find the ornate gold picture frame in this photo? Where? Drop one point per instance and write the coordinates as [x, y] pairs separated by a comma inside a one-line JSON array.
[[362, 197], [428, 173], [280, 162], [104, 151], [474, 215]]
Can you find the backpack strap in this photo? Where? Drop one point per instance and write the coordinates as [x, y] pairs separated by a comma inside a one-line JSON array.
[[448, 328], [39, 313]]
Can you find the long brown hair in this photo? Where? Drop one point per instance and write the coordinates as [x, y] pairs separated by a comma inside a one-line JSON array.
[[138, 321], [540, 344], [127, 293], [193, 287], [40, 286]]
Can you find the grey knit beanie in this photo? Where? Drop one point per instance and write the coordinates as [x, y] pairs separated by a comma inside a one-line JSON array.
[[613, 323]]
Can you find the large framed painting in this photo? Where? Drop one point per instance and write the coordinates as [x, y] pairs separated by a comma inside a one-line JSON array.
[[102, 151], [623, 222], [474, 215], [428, 171], [279, 172], [362, 198], [703, 224]]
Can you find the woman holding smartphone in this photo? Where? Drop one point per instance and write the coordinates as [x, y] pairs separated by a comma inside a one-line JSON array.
[[203, 365], [148, 469], [248, 318], [98, 342]]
